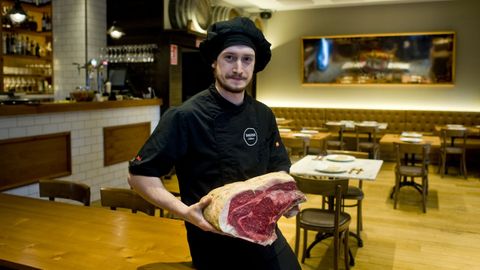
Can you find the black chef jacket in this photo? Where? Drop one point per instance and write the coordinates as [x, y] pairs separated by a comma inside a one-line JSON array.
[[212, 142]]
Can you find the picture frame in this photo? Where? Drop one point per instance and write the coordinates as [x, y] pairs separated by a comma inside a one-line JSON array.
[[423, 58]]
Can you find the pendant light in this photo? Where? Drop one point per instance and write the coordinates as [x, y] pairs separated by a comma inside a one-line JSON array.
[[115, 32], [17, 14]]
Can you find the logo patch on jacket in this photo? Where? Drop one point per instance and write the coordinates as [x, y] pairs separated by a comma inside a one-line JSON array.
[[250, 136]]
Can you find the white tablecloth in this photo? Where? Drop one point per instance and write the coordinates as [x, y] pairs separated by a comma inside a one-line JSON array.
[[308, 165]]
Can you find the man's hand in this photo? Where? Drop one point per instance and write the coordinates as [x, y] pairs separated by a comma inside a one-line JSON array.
[[195, 215]]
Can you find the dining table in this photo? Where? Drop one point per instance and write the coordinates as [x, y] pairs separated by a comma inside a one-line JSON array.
[[350, 125], [283, 122], [305, 134], [337, 166], [41, 234], [312, 138], [410, 137], [471, 130]]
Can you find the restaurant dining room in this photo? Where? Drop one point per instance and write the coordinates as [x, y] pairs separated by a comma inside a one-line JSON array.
[[240, 134]]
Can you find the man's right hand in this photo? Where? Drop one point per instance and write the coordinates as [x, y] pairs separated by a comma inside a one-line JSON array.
[[195, 215]]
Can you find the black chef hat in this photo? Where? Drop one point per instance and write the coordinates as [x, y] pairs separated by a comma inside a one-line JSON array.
[[238, 31]]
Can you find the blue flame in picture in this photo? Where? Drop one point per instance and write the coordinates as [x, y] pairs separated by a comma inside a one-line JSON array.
[[323, 54]]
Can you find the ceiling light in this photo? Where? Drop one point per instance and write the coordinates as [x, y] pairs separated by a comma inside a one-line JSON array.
[[17, 14], [115, 32]]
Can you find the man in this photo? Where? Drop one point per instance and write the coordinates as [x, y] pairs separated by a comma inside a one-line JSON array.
[[219, 136]]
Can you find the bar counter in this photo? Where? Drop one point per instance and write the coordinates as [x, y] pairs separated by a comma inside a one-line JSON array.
[[53, 107], [88, 142]]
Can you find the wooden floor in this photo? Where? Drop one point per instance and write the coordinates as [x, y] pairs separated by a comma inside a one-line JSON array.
[[446, 237]]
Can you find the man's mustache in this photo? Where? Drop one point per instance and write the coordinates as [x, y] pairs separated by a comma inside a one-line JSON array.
[[236, 77]]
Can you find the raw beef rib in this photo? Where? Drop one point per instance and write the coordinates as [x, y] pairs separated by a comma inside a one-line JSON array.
[[250, 209]]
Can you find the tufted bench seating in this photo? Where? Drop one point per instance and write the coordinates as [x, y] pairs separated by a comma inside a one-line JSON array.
[[316, 117], [425, 121], [395, 119], [303, 117], [398, 120]]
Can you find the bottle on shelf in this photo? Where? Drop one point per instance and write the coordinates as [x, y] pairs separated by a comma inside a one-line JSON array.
[[48, 21], [37, 50], [44, 22], [23, 45], [13, 49], [5, 40]]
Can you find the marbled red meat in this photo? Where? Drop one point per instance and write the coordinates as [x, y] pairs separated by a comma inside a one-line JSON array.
[[251, 208]]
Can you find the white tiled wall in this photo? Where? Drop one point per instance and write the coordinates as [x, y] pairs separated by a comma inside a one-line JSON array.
[[86, 141], [76, 41]]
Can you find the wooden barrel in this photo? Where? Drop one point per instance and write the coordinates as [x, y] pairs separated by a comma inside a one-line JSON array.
[[258, 21], [223, 13], [200, 13], [182, 13], [172, 14]]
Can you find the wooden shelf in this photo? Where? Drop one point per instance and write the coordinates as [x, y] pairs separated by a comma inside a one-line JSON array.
[[27, 57], [27, 75], [22, 31], [42, 41], [44, 7]]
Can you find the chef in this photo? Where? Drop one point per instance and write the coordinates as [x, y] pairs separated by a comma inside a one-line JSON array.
[[219, 136]]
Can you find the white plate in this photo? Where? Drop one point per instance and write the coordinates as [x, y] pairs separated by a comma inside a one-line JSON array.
[[340, 158], [284, 130], [330, 168], [459, 127], [411, 140], [348, 123], [306, 131], [301, 135], [411, 134]]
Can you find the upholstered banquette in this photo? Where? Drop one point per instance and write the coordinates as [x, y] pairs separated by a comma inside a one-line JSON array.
[[398, 120]]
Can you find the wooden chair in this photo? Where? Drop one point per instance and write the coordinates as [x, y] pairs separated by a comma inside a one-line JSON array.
[[296, 147], [411, 162], [450, 148], [335, 141], [354, 193], [327, 222], [125, 198], [52, 189], [370, 142]]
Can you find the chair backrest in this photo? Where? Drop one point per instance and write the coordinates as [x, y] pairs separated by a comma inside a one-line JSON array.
[[125, 198], [371, 130], [448, 137], [293, 144], [403, 150], [333, 188], [336, 134], [357, 154], [324, 187], [76, 191], [334, 127]]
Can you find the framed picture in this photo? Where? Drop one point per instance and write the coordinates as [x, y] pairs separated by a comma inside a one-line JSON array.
[[405, 58]]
